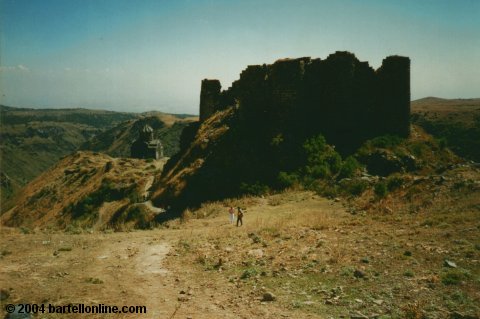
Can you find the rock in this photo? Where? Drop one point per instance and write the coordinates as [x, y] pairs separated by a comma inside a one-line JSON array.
[[382, 163], [359, 274], [56, 253], [365, 260], [378, 302], [257, 253], [358, 316], [4, 294], [449, 264], [183, 298], [268, 296], [256, 239]]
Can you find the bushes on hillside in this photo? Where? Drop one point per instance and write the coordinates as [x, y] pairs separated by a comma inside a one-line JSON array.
[[87, 207], [322, 159], [323, 163]]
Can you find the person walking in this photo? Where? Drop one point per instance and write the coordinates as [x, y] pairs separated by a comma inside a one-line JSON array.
[[239, 216], [231, 212]]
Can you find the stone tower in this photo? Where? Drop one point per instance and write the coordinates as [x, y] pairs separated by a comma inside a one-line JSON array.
[[209, 98]]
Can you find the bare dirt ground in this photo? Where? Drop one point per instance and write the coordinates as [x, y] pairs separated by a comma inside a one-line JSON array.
[[315, 260]]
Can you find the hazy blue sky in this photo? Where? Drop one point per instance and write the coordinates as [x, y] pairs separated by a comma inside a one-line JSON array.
[[139, 55]]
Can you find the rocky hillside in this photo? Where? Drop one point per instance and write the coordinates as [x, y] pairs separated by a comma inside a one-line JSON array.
[[87, 190], [32, 140], [455, 122]]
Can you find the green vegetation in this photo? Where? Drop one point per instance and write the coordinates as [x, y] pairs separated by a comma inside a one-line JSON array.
[[455, 276], [322, 159], [136, 215], [256, 189], [380, 189], [462, 138], [385, 141], [87, 207], [354, 187], [323, 167], [394, 182]]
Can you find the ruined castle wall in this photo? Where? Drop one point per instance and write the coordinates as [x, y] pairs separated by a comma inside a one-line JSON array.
[[341, 97], [209, 98], [394, 95], [253, 92]]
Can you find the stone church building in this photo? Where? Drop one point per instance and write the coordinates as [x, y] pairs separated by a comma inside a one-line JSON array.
[[146, 146]]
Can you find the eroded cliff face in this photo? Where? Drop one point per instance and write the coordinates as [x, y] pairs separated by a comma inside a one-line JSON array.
[[256, 128]]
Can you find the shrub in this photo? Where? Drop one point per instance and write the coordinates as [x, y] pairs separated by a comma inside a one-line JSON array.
[[322, 159], [385, 141], [249, 272], [394, 182], [442, 143], [380, 189], [455, 276], [256, 189], [418, 148], [287, 179], [318, 171], [409, 273], [355, 186], [323, 188], [349, 167]]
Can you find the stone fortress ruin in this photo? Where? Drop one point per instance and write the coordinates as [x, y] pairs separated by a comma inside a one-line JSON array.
[[146, 146], [341, 97]]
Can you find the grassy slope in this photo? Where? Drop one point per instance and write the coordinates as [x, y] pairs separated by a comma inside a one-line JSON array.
[[85, 189]]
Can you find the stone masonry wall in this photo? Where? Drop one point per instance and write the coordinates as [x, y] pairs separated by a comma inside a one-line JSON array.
[[341, 97], [209, 98]]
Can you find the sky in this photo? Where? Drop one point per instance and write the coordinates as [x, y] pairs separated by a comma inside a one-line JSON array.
[[141, 55]]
